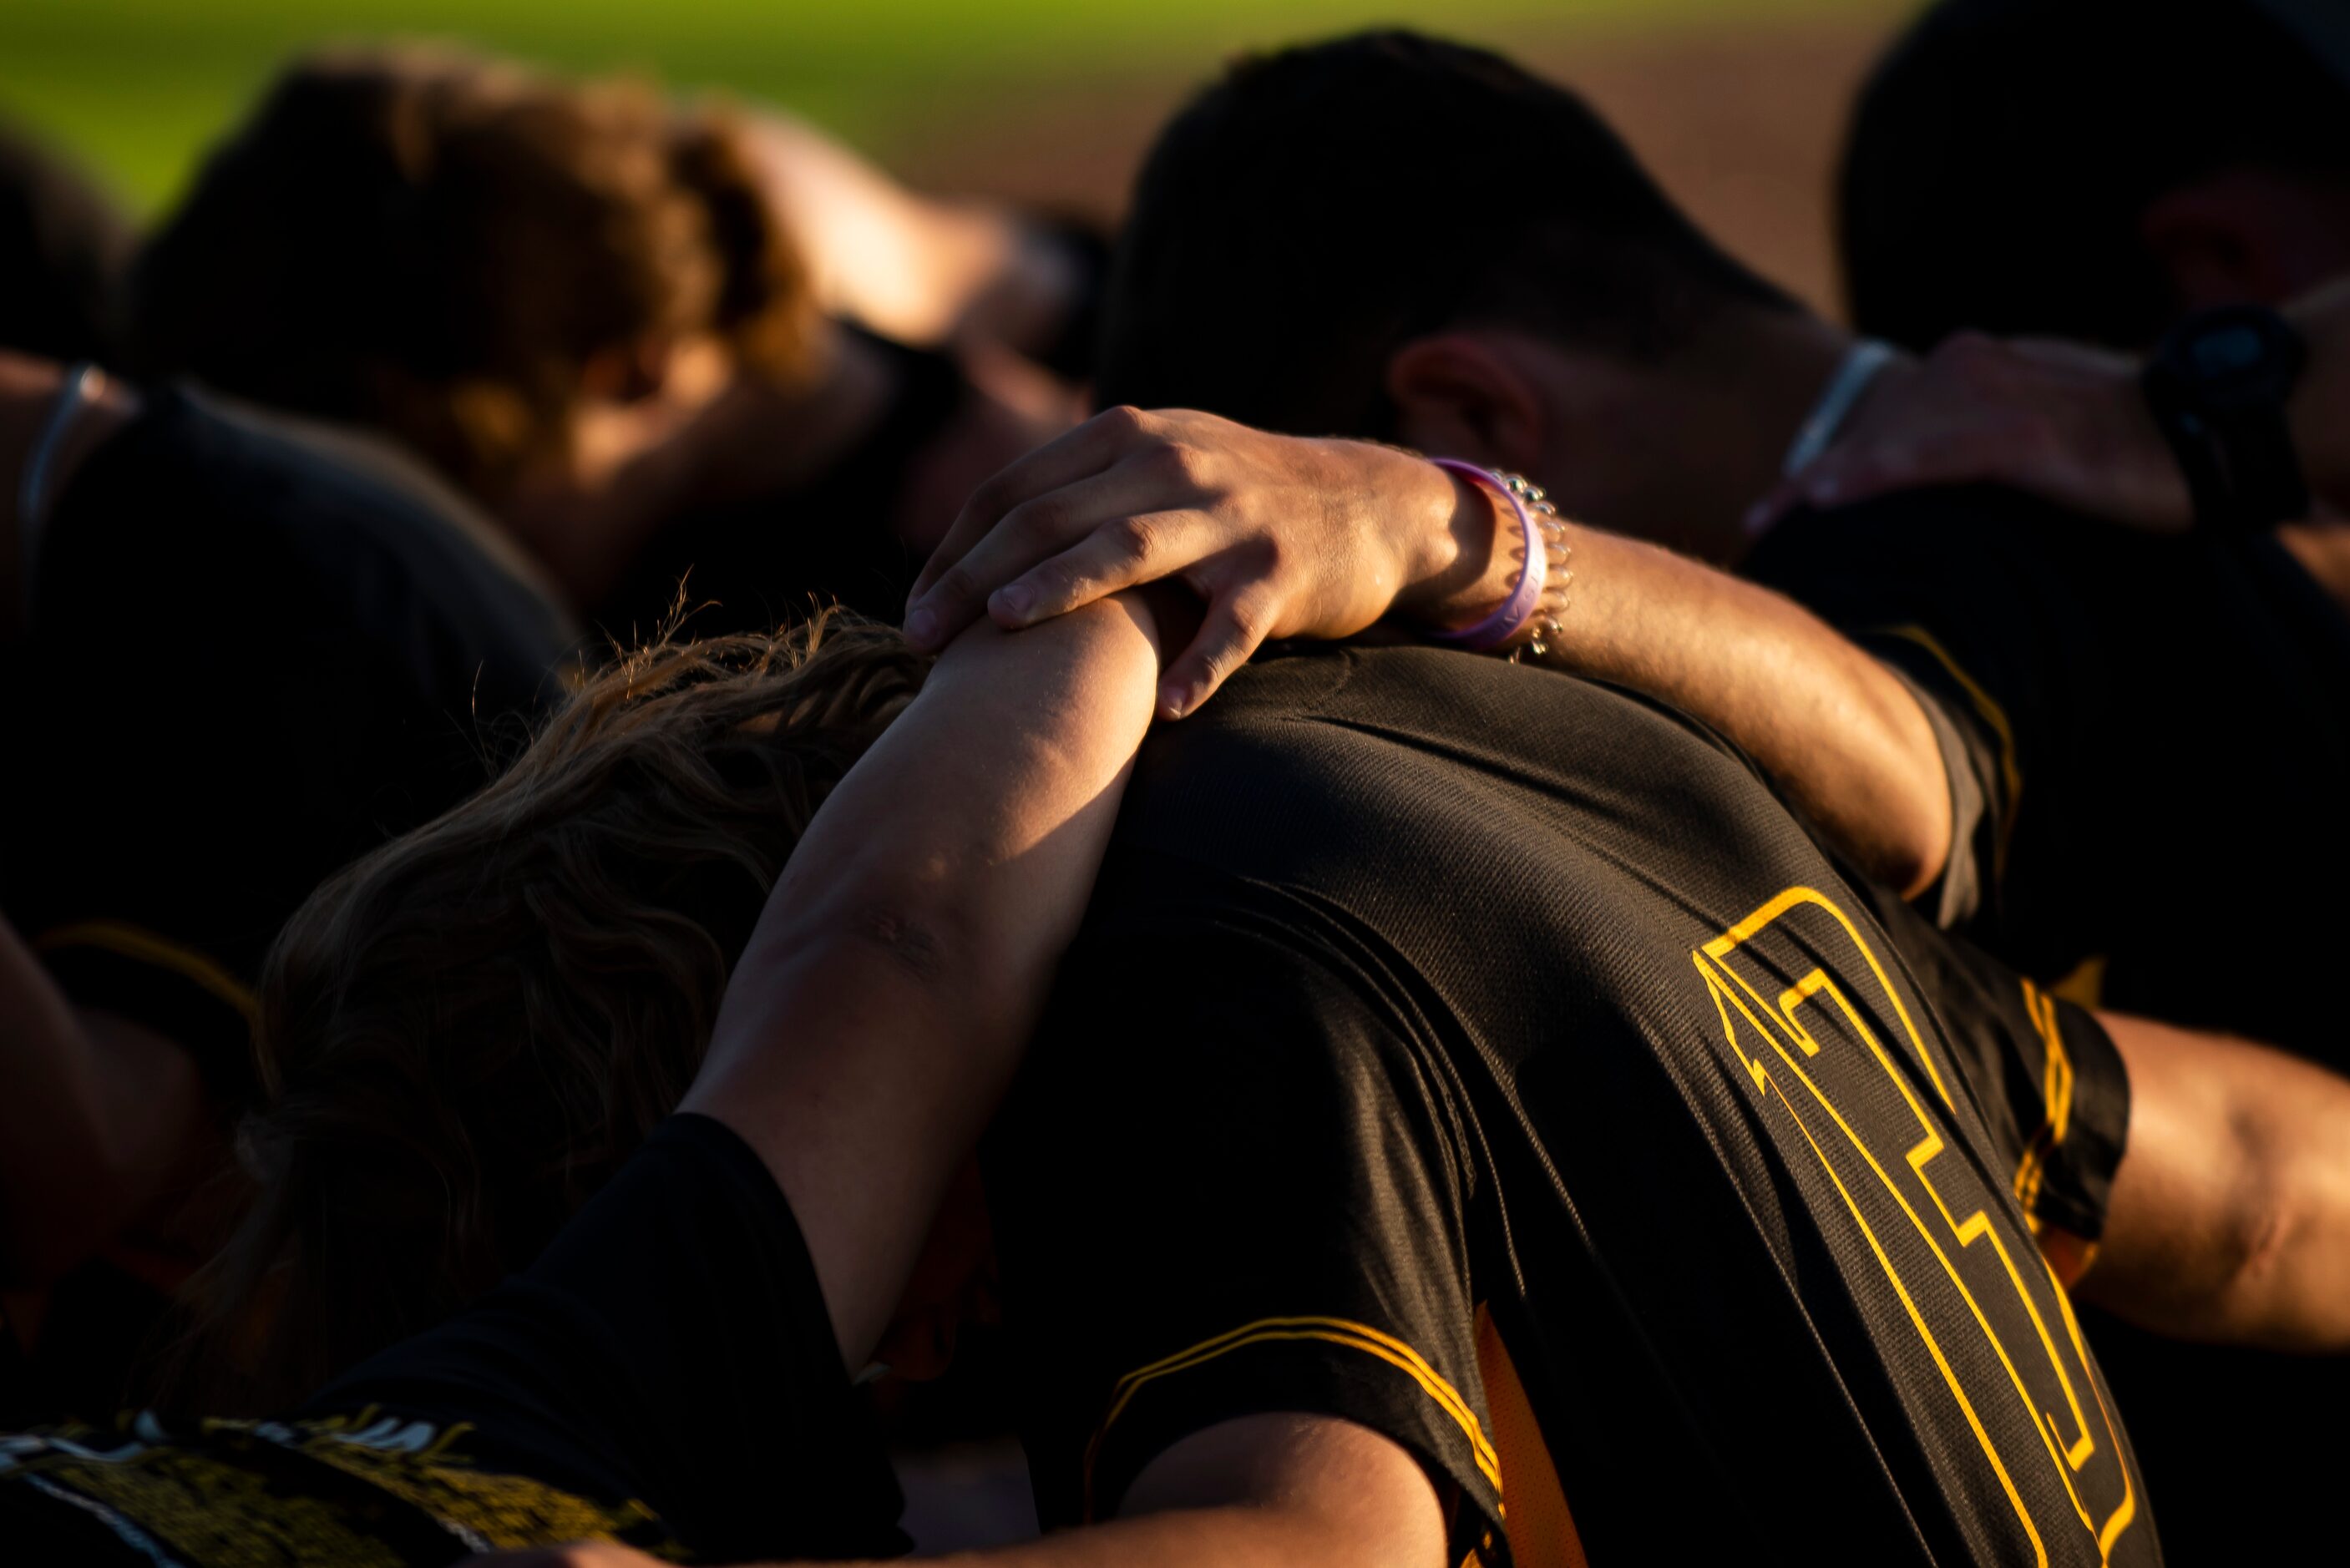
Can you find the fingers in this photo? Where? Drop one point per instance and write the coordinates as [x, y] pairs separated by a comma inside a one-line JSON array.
[[1841, 476], [1863, 469], [1124, 553], [1068, 457], [1041, 528], [1236, 627]]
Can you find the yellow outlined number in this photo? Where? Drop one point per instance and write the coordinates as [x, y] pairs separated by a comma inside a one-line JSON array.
[[1979, 1297]]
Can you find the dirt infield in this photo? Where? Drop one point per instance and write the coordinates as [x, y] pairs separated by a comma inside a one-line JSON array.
[[1741, 123]]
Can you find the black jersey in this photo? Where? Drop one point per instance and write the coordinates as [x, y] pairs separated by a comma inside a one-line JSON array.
[[1486, 1057], [252, 657], [665, 1375], [2155, 731], [255, 653], [752, 565]]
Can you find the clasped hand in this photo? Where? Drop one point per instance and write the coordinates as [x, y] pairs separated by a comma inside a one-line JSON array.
[[1280, 536]]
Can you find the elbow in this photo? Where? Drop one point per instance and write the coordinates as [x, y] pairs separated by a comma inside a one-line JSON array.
[[2252, 1239], [1918, 816], [2264, 1245], [2284, 1256], [1909, 845], [1914, 864], [929, 949], [913, 941]]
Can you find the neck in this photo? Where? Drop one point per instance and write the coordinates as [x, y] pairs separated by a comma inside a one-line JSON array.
[[1752, 385]]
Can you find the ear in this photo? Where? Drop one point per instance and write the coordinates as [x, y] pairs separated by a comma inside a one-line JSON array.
[[1459, 395], [2227, 240]]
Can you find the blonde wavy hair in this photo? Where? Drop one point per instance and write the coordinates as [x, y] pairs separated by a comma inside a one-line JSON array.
[[462, 1035]]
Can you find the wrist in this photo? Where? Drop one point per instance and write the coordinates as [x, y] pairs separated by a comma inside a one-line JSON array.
[[1464, 564]]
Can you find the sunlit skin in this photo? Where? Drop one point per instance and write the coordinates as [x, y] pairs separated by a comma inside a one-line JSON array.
[[920, 269], [669, 425], [1286, 537]]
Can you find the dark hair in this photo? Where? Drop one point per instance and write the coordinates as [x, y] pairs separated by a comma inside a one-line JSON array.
[[1304, 217], [2002, 153], [64, 247], [437, 244], [464, 1034]]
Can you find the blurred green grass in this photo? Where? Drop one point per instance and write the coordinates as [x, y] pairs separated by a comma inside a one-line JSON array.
[[138, 89]]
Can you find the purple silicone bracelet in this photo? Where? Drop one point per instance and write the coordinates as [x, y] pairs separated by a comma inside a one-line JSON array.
[[1517, 611]]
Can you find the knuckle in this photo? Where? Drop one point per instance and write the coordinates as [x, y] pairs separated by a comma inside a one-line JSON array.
[[1039, 518], [1178, 465], [1122, 419], [1251, 618], [955, 586], [993, 498], [1049, 587], [1221, 661], [1138, 538]]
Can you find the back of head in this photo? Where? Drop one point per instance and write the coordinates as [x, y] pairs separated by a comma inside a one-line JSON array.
[[63, 250], [2003, 156], [1318, 208], [439, 246], [464, 1034]]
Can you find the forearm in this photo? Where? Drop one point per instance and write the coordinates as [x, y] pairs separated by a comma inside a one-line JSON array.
[[909, 267], [1276, 1490], [1242, 1536], [1238, 1535], [1838, 731], [1840, 734], [1280, 1490], [882, 1000], [2229, 1219]]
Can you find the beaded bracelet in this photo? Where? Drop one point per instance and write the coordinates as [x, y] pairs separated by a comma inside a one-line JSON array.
[[1539, 597]]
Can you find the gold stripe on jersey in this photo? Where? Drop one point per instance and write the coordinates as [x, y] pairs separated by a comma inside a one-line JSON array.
[[142, 946], [1329, 1331], [1732, 993], [2056, 1096]]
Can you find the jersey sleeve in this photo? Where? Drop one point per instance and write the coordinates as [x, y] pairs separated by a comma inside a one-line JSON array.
[[671, 1349], [2051, 1087], [1232, 1183], [1969, 598]]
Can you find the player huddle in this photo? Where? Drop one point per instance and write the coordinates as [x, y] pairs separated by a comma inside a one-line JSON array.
[[1532, 906]]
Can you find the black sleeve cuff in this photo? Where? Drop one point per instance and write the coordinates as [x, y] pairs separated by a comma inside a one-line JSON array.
[[2067, 1176], [672, 1347]]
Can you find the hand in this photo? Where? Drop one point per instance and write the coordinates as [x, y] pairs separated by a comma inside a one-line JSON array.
[[2065, 423], [1280, 536]]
